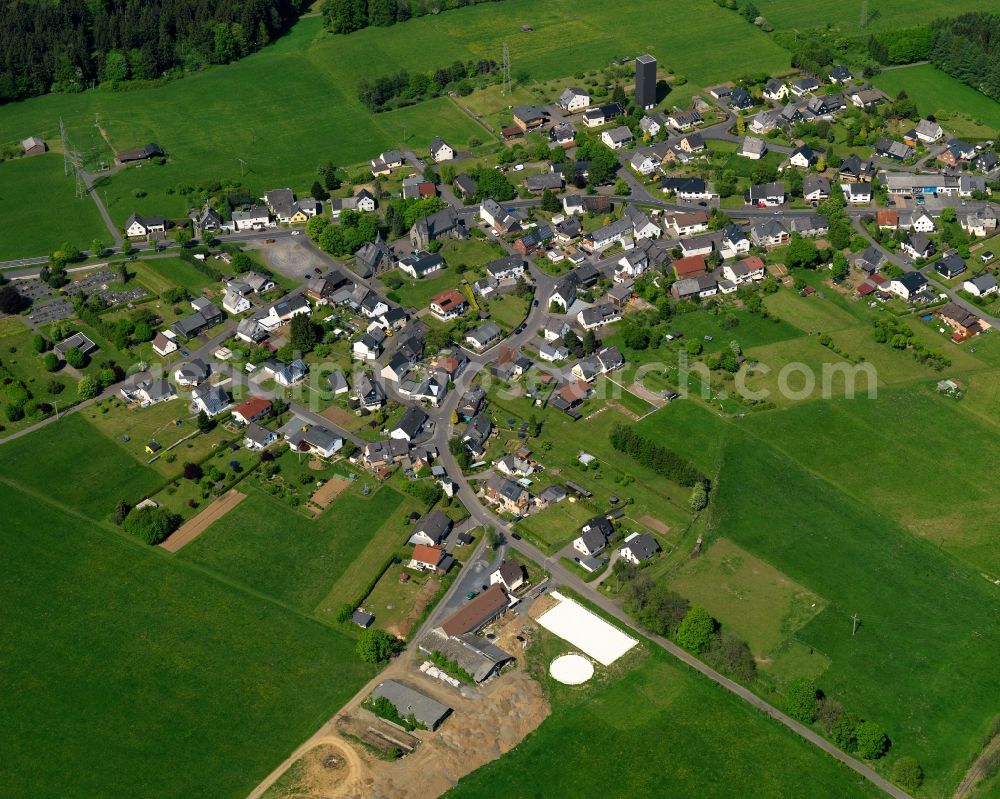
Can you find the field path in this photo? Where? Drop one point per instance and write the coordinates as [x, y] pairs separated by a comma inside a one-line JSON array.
[[190, 530], [979, 769]]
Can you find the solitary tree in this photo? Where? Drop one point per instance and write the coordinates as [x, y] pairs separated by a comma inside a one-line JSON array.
[[204, 421], [377, 646], [696, 630]]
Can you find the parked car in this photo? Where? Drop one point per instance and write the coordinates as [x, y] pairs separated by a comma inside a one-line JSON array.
[[472, 595]]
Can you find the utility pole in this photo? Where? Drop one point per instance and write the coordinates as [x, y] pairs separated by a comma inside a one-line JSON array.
[[505, 66], [854, 624]]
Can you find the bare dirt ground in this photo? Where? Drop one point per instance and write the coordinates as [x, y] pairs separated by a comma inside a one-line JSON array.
[[487, 721], [329, 491], [651, 397], [190, 530], [291, 258], [340, 417], [654, 524]]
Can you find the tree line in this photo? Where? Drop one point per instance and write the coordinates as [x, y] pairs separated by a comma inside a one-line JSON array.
[[347, 16], [966, 47], [660, 459], [405, 88], [69, 45]]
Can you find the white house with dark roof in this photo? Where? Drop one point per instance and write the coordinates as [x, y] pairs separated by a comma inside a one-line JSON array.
[[638, 548], [616, 138], [441, 150], [573, 99]]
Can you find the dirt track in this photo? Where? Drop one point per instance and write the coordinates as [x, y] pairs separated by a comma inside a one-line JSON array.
[[487, 722], [190, 530]]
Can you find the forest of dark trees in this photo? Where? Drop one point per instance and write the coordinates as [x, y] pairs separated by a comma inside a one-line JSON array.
[[347, 16], [967, 47], [67, 45]]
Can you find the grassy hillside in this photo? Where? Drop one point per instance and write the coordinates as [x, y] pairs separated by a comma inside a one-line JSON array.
[[920, 662], [882, 14], [936, 92], [128, 673]]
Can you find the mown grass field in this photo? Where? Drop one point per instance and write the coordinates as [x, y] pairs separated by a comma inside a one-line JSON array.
[[936, 92], [128, 673], [900, 460], [731, 583], [653, 728], [72, 462], [293, 106], [160, 274], [920, 662], [39, 206], [265, 544], [883, 15]]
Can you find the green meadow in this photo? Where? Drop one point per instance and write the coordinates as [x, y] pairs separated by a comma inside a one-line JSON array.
[[265, 544], [849, 16], [807, 491], [40, 208], [960, 108], [129, 673], [293, 106], [650, 727]]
